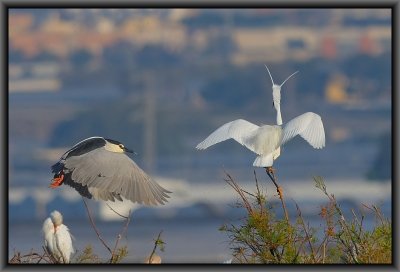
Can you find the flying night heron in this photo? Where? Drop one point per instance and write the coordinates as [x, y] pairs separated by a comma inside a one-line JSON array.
[[99, 168]]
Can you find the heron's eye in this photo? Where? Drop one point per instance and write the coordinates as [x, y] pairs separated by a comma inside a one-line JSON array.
[[121, 146]]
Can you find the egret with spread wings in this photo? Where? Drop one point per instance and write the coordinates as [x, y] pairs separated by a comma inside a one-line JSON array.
[[264, 140]]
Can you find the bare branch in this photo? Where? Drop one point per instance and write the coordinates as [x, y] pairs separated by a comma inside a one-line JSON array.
[[95, 228], [306, 232], [156, 242], [278, 189], [119, 236]]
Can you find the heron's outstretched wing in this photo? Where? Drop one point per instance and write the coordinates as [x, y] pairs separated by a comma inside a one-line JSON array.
[[239, 130], [108, 174], [309, 126]]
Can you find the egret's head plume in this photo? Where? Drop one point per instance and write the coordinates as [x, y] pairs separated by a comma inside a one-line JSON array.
[[288, 78], [273, 84]]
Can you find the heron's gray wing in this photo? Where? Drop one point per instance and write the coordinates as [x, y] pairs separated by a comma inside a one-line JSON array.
[[240, 130], [309, 126], [108, 174]]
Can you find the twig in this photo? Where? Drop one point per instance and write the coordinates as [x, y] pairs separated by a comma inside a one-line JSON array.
[[30, 255], [239, 190], [306, 232], [273, 178], [250, 194], [51, 257], [155, 246], [258, 188], [94, 227], [320, 184], [41, 257], [128, 219], [323, 244], [259, 196], [123, 216], [375, 210]]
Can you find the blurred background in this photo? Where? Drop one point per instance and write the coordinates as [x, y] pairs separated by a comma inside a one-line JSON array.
[[161, 80]]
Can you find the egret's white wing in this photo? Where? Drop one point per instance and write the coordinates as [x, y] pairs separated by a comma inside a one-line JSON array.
[[239, 130], [48, 233], [64, 242], [309, 126]]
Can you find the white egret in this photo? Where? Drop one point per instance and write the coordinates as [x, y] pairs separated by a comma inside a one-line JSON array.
[[58, 240], [266, 140]]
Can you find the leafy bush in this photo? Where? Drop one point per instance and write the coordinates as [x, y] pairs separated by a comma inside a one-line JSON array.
[[263, 238]]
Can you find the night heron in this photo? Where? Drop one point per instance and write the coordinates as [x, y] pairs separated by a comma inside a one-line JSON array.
[[99, 168], [57, 238]]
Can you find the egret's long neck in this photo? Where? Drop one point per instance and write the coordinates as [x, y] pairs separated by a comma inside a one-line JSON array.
[[278, 114], [276, 96]]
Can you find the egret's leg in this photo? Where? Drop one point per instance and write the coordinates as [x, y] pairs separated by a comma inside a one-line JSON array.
[[270, 169], [271, 173]]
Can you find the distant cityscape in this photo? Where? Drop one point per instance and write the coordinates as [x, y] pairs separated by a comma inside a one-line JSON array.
[[298, 35]]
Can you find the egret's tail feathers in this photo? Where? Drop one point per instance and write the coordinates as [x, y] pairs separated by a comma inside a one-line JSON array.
[[263, 161]]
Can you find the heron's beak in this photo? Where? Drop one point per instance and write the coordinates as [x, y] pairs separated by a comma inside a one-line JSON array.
[[129, 151]]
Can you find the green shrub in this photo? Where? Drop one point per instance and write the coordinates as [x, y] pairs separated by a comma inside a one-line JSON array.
[[262, 238]]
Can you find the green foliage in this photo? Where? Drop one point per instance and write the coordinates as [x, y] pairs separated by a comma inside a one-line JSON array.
[[263, 238], [87, 256], [158, 243], [120, 253]]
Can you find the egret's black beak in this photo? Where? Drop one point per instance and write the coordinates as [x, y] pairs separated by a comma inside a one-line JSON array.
[[129, 151]]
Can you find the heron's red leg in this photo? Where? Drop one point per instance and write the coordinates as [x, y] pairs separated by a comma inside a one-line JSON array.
[[57, 180]]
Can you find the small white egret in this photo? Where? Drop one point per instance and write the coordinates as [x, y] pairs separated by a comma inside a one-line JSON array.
[[58, 241], [266, 140]]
